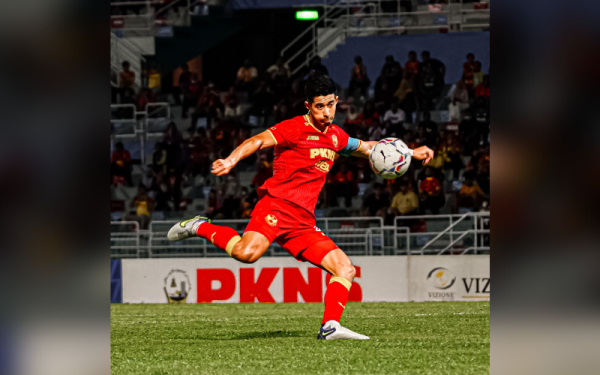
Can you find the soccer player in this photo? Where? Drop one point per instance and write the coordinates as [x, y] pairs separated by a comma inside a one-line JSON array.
[[305, 149]]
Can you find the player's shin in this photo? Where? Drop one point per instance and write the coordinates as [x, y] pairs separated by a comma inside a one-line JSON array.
[[223, 238], [336, 298]]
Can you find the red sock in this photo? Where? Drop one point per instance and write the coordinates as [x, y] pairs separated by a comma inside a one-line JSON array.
[[223, 238], [336, 298]]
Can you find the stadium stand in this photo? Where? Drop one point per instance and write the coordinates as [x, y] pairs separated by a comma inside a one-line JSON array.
[[172, 133]]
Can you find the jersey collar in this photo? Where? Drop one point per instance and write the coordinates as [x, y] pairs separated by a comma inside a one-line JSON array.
[[309, 122]]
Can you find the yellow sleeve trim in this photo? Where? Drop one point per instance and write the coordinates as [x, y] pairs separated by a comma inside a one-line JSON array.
[[272, 136], [360, 142], [341, 280], [232, 242]]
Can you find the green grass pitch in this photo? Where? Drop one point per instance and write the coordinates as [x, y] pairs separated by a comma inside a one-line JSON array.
[[406, 338]]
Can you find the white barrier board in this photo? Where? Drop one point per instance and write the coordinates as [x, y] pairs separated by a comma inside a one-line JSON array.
[[283, 279], [449, 278]]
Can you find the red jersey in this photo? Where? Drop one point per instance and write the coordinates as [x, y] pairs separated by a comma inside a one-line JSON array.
[[412, 66], [303, 156], [430, 185], [482, 91]]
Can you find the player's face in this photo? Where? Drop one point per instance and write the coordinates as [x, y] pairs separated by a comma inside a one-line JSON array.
[[322, 109]]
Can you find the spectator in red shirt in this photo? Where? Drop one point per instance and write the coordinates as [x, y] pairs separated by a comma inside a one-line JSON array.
[[120, 165], [127, 77], [409, 139], [189, 86], [343, 184], [483, 90], [265, 169], [468, 69], [144, 97], [359, 80], [412, 65], [202, 147], [368, 114], [352, 120], [430, 193]]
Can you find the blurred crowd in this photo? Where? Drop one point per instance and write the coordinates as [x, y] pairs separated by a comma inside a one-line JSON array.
[[409, 100]]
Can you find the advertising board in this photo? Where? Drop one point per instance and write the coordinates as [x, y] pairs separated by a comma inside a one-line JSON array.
[[283, 279]]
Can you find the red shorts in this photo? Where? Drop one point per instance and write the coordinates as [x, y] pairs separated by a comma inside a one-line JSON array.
[[292, 228]]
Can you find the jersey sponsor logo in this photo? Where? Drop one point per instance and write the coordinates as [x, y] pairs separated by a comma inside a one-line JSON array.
[[334, 139], [312, 138], [271, 220], [323, 153], [322, 165]]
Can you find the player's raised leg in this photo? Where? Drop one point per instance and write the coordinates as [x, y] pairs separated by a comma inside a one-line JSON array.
[[246, 249], [340, 266]]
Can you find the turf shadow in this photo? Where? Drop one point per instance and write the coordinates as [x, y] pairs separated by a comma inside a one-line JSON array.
[[261, 335]]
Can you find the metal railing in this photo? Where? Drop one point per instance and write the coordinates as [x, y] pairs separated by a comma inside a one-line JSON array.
[[342, 19], [443, 234], [124, 239], [155, 14], [123, 50], [439, 242], [141, 126]]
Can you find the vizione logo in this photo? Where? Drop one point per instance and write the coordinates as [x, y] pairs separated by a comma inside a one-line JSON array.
[[441, 277]]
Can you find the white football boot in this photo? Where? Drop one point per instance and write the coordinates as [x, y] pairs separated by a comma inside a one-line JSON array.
[[332, 330], [186, 229]]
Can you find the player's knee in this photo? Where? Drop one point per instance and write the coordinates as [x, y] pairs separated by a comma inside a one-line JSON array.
[[244, 253], [347, 271], [351, 272]]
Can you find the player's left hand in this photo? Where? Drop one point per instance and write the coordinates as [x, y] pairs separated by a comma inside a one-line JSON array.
[[423, 153], [222, 167]]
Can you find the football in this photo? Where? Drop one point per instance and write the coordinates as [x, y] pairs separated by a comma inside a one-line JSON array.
[[390, 158]]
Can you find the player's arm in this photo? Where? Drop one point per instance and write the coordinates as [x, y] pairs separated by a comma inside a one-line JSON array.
[[248, 147], [363, 149]]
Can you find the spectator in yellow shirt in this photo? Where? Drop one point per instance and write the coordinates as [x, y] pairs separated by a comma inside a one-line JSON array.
[[470, 193], [143, 205], [405, 203]]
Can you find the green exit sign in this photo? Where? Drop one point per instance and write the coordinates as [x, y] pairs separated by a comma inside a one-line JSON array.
[[307, 15]]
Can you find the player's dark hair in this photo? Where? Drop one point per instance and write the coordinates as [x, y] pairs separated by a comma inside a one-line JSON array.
[[319, 86]]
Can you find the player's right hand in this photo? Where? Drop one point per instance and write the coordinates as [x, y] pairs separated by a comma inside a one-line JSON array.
[[222, 167], [423, 153]]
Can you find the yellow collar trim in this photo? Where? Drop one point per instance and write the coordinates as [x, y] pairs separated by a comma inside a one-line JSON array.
[[307, 119]]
